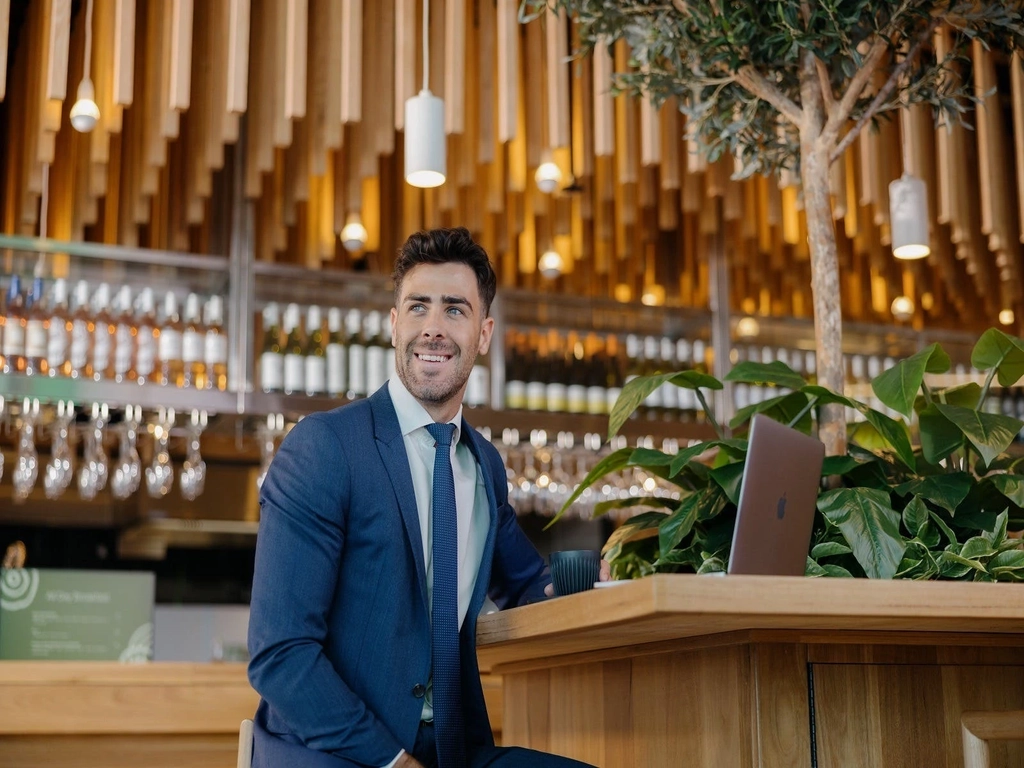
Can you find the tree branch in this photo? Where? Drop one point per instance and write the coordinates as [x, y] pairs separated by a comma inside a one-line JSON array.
[[876, 103], [826, 86], [759, 85], [841, 110]]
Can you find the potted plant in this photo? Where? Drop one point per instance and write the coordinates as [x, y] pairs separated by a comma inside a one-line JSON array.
[[942, 509]]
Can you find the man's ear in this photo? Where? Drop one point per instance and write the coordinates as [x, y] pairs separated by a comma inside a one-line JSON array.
[[486, 331]]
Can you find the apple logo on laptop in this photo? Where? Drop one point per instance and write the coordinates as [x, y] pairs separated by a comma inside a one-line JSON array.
[[780, 510]]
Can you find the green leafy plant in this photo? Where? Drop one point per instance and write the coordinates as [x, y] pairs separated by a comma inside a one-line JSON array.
[[887, 509]]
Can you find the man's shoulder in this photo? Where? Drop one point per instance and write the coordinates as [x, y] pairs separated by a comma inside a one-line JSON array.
[[354, 415]]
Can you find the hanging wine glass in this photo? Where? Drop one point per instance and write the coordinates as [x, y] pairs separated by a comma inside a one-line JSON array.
[[26, 471], [60, 468], [128, 475], [268, 434], [160, 472], [192, 479], [92, 477]]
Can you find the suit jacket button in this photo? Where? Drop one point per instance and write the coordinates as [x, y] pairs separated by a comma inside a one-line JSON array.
[[419, 690]]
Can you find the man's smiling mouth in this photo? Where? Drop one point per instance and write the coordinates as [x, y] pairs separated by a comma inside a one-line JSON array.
[[433, 358]]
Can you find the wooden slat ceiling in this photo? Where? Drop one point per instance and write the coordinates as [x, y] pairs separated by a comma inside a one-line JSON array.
[[319, 88]]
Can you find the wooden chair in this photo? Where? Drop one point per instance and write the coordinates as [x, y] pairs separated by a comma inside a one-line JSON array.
[[979, 728], [245, 744]]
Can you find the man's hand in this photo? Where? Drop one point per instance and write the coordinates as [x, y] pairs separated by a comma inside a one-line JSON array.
[[408, 761], [606, 575]]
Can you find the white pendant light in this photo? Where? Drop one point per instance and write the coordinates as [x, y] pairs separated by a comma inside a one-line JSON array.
[[548, 175], [902, 308], [908, 217], [551, 264], [426, 162], [354, 234], [84, 113], [1006, 316]]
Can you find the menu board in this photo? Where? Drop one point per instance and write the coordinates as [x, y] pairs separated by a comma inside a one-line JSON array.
[[68, 615]]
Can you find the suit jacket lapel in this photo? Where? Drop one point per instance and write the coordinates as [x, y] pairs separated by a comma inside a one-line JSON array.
[[391, 446]]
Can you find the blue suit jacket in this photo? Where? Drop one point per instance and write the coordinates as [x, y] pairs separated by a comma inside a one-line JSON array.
[[339, 631]]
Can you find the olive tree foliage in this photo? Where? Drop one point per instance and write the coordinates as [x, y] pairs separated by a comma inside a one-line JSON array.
[[790, 84]]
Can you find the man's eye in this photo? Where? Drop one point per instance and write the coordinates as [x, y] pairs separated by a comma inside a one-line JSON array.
[[455, 309], [416, 308]]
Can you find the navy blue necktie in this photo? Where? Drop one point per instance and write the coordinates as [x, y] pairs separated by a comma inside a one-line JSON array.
[[445, 668]]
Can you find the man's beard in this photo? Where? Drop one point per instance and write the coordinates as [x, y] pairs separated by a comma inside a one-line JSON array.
[[436, 391]]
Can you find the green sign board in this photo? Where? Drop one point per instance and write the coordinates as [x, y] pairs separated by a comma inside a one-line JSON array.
[[51, 614]]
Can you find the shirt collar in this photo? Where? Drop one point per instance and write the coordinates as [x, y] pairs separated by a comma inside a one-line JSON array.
[[412, 415]]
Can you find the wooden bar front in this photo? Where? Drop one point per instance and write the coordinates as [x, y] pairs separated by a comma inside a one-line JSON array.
[[740, 671]]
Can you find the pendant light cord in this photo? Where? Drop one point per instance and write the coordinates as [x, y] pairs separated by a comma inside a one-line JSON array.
[[88, 38], [426, 44]]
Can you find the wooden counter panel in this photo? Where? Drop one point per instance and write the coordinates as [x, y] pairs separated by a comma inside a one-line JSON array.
[[81, 698], [905, 715], [167, 751], [667, 607]]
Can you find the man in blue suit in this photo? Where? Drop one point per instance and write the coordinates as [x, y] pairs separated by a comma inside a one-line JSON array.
[[360, 657]]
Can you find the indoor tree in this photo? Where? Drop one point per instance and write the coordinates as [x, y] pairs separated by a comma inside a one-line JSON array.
[[791, 84]]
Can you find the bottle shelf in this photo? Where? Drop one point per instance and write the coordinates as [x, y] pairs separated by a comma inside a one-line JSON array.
[[115, 394]]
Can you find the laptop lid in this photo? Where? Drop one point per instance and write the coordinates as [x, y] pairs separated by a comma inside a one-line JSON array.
[[778, 494]]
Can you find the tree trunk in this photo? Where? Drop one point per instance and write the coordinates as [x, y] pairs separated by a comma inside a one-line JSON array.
[[821, 236]]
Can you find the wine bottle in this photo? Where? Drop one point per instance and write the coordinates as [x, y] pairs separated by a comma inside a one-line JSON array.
[[556, 386], [169, 350], [616, 372], [316, 353], [686, 397], [669, 391], [14, 328], [577, 365], [294, 351], [515, 383], [376, 352], [597, 378], [104, 335], [193, 344], [537, 374], [82, 329], [58, 332], [36, 330], [356, 355], [147, 340], [125, 334], [271, 351], [337, 357], [215, 345]]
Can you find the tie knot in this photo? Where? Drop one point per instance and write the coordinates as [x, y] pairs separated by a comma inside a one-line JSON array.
[[442, 433]]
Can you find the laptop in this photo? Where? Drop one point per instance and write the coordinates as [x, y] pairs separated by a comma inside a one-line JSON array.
[[778, 494]]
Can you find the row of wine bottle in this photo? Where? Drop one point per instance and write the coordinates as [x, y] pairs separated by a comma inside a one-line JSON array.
[[102, 334]]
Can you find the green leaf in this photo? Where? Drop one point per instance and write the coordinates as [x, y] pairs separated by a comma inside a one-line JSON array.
[[965, 395], [976, 547], [997, 536], [826, 396], [989, 433], [829, 549], [712, 565], [783, 409], [838, 465], [604, 507], [898, 386], [736, 448], [939, 436], [679, 524], [632, 527], [998, 350], [952, 557], [637, 390], [946, 491], [775, 372], [613, 462], [836, 571], [894, 433], [945, 529], [729, 477], [870, 526], [813, 570], [1011, 486], [916, 516], [688, 557], [1010, 560], [648, 457]]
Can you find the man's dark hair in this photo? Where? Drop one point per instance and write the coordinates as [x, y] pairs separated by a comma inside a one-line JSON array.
[[446, 246]]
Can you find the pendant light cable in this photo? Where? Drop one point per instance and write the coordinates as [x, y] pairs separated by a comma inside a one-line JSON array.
[[88, 39], [426, 44]]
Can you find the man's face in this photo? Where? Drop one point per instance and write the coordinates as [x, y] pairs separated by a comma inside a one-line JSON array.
[[438, 328]]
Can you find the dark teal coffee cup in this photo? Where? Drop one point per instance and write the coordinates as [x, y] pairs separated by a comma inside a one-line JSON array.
[[575, 570]]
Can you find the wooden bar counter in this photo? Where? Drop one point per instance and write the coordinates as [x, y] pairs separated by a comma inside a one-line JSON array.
[[679, 671], [106, 715]]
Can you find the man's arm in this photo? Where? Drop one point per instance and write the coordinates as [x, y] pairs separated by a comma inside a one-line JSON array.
[[303, 506]]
